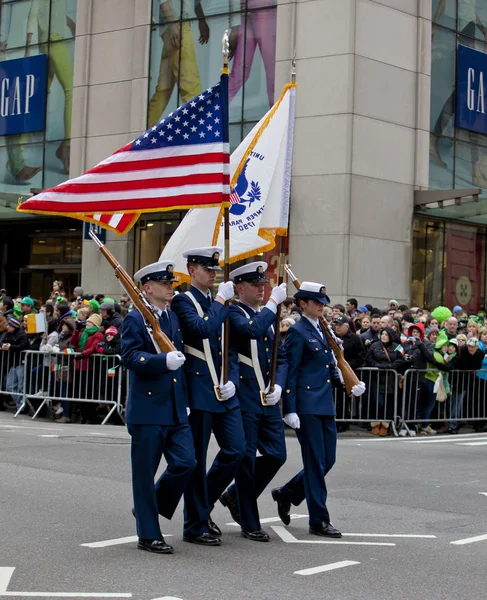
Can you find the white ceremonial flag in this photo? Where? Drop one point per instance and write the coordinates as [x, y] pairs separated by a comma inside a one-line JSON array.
[[259, 197]]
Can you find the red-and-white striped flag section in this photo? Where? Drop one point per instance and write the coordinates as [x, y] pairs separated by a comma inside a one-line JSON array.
[[182, 162]]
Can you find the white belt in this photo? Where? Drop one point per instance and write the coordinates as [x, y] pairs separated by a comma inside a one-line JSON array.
[[254, 360], [206, 354]]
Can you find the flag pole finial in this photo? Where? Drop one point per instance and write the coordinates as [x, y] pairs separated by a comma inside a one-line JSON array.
[[225, 50]]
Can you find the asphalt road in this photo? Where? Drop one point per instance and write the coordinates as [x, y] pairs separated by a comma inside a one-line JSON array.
[[68, 485]]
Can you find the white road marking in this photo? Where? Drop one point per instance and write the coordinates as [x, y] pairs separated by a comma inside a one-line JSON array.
[[62, 595], [471, 540], [330, 567], [390, 535], [7, 572], [5, 577], [116, 541], [269, 520], [483, 493], [167, 598], [455, 439], [48, 435], [289, 538], [473, 444], [32, 427]]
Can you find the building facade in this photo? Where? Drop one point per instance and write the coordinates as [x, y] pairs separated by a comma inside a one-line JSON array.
[[375, 124]]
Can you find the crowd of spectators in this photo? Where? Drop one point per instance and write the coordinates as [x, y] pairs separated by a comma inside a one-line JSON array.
[[85, 325], [445, 348]]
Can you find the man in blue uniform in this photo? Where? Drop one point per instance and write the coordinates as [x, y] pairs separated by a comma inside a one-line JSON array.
[[253, 337], [309, 409], [156, 411], [214, 405]]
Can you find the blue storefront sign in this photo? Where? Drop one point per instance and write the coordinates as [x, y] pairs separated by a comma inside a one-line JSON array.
[[471, 90], [100, 233], [23, 94]]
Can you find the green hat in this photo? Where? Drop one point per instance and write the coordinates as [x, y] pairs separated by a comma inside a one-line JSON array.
[[27, 301], [441, 341], [109, 300], [17, 310], [94, 305]]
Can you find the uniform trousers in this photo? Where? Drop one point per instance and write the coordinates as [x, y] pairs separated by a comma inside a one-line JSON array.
[[264, 433], [204, 488], [318, 439], [149, 443]]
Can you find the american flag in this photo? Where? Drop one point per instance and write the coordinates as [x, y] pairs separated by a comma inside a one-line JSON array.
[[182, 162], [234, 197]]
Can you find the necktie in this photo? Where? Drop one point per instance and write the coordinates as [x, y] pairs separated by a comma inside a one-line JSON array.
[[165, 320], [319, 330]]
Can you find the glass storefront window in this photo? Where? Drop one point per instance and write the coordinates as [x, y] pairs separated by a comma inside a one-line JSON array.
[[445, 13], [151, 235], [186, 56], [14, 17], [448, 265], [36, 160]]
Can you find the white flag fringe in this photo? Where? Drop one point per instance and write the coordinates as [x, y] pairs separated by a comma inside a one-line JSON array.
[[259, 197]]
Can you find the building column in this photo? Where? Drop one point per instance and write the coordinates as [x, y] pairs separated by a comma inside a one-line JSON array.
[[361, 140]]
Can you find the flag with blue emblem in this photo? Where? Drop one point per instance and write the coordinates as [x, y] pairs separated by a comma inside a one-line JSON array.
[[182, 162], [259, 193]]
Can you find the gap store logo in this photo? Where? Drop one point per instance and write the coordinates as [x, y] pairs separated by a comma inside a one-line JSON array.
[[23, 94]]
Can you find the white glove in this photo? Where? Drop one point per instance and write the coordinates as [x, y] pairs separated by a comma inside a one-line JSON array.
[[358, 389], [273, 398], [227, 390], [226, 290], [292, 420], [174, 360], [341, 376], [188, 411], [279, 293]]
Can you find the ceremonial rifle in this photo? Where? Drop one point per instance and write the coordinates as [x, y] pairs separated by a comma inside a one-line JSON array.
[[161, 342], [349, 377]]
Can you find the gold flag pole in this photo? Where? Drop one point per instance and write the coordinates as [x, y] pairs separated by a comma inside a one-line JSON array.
[[226, 217], [280, 279]]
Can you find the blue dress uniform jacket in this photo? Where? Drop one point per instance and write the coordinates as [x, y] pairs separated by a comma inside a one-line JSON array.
[[242, 331], [311, 372], [195, 329], [157, 423], [264, 429], [208, 414], [156, 395], [309, 393]]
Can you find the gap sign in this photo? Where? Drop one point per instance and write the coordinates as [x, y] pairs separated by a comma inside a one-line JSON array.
[[23, 94]]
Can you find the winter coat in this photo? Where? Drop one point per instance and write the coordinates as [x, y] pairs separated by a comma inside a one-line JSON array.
[[83, 364], [353, 350], [378, 356], [110, 348]]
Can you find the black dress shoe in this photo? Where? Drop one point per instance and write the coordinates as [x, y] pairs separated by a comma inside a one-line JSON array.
[[156, 546], [325, 530], [283, 507], [232, 506], [204, 539], [213, 528], [256, 536]]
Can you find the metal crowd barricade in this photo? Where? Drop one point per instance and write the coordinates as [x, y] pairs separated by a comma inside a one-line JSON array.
[[59, 377], [466, 397], [378, 403], [12, 376]]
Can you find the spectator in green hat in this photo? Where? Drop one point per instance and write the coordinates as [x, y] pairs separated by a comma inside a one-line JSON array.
[[27, 306]]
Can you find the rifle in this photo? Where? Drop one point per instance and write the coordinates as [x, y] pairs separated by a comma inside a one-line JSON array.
[[161, 342], [349, 377]]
